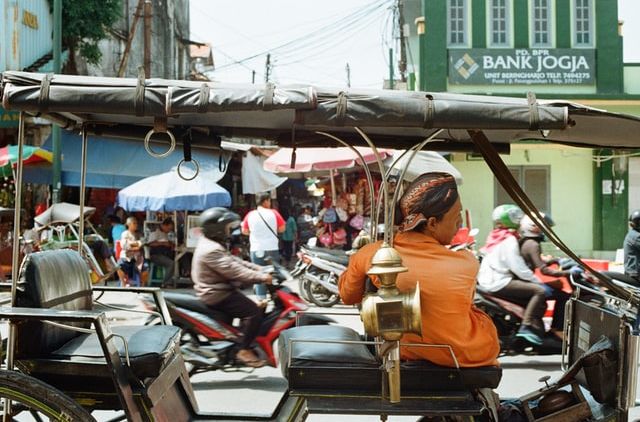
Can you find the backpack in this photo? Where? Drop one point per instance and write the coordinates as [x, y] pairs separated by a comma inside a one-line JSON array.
[[330, 216]]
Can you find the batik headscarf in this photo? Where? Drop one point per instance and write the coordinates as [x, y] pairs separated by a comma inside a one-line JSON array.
[[430, 195]]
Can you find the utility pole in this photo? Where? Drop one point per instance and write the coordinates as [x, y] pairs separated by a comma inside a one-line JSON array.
[[132, 33], [147, 38], [253, 76], [267, 68], [348, 69], [402, 65], [55, 130], [391, 84]]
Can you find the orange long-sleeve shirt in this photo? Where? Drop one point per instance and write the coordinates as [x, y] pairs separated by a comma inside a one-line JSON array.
[[447, 285]]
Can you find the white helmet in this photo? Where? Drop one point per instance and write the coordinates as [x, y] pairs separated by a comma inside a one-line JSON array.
[[530, 229]]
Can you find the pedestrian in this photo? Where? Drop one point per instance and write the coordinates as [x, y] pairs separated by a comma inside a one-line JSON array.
[[289, 236], [132, 266], [116, 228], [161, 249], [262, 225], [632, 247], [306, 225]]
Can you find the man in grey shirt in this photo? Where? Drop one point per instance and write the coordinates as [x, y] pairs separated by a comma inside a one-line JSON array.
[[218, 276]]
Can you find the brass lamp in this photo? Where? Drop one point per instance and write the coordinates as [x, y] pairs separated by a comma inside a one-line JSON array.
[[390, 314]]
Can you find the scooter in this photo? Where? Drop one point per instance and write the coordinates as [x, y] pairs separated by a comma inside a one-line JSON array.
[[209, 339], [318, 271], [507, 317]]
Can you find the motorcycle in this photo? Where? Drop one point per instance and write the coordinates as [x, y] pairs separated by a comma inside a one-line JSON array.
[[317, 271], [209, 338], [507, 315]]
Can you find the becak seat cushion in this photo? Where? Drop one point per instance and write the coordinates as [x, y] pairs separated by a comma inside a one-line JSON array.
[[315, 367], [293, 348], [149, 348]]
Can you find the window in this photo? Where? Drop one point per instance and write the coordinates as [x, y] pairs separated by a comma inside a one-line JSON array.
[[499, 23], [540, 23], [534, 180], [583, 23], [457, 23]]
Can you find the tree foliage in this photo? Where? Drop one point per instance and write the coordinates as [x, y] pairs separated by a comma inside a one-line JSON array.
[[85, 23]]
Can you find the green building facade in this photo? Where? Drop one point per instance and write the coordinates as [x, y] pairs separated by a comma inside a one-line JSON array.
[[570, 49]]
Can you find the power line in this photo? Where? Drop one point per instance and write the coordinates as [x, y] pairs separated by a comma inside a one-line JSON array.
[[303, 41], [330, 43]]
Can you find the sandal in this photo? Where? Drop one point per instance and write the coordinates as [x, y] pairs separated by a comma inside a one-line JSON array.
[[248, 358]]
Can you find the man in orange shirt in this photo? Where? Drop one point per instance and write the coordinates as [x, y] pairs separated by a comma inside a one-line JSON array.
[[430, 209]]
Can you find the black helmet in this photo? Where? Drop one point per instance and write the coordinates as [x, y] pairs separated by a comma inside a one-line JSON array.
[[634, 220], [217, 223]]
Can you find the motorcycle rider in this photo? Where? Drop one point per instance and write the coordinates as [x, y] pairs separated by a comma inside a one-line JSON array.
[[632, 247], [505, 274], [218, 276], [530, 238], [430, 209]]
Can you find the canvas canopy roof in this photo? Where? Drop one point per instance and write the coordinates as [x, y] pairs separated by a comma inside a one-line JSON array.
[[295, 114], [62, 213]]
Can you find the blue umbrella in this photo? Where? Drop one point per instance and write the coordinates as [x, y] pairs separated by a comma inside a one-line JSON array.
[[169, 192]]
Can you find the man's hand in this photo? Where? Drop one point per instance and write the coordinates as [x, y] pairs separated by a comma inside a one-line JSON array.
[[268, 279]]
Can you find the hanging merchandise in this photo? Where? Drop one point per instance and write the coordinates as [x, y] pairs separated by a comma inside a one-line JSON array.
[[330, 216], [339, 237], [357, 222], [7, 193]]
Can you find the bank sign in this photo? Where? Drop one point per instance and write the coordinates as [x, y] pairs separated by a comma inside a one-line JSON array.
[[528, 66]]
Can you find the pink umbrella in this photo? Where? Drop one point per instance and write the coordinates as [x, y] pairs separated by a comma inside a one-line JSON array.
[[319, 159], [309, 160]]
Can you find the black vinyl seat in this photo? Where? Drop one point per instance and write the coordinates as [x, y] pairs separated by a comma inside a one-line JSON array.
[[60, 279], [187, 301], [149, 350], [312, 367], [75, 361]]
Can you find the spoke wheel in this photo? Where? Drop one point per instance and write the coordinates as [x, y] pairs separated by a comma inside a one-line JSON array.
[[319, 295], [34, 400]]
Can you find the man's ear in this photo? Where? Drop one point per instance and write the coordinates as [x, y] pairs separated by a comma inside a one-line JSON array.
[[431, 223]]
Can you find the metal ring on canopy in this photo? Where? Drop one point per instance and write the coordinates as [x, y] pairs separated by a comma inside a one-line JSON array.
[[154, 154], [195, 165]]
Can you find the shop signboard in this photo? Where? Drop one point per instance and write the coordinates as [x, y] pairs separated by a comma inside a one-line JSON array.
[[9, 118], [25, 32], [522, 66]]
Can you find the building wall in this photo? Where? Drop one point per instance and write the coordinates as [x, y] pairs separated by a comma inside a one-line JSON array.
[[570, 202], [25, 34], [437, 71], [169, 49]]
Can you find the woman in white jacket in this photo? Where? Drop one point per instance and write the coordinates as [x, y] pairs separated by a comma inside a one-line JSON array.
[[505, 274]]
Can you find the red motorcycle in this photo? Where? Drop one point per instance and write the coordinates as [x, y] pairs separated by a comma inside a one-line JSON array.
[[209, 338]]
